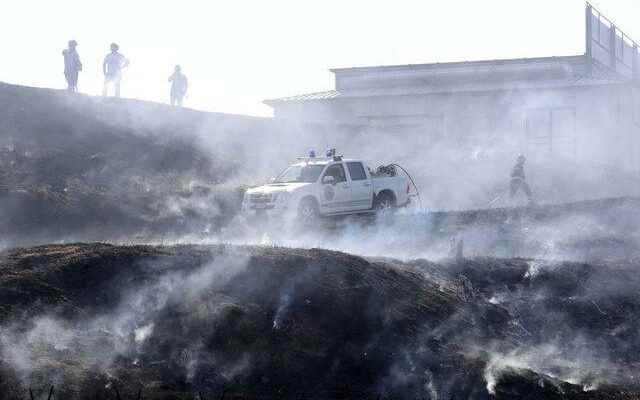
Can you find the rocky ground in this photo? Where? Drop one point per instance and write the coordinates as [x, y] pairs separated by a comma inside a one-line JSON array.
[[500, 320], [267, 322]]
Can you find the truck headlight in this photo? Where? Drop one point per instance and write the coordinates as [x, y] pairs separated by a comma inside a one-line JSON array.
[[283, 197]]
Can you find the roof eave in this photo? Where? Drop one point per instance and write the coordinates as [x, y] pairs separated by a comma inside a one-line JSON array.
[[456, 63], [276, 102]]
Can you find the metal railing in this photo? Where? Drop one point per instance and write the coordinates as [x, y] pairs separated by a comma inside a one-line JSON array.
[[620, 48]]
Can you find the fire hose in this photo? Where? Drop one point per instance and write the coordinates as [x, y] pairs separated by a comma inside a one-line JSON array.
[[412, 182]]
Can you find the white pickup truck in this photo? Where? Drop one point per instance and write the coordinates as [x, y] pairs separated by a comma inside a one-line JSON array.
[[314, 187]]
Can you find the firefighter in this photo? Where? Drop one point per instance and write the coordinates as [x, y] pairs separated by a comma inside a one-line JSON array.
[[518, 179], [72, 65], [112, 67], [178, 86]]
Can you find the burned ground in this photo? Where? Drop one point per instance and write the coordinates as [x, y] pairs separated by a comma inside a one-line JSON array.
[[280, 322], [76, 166]]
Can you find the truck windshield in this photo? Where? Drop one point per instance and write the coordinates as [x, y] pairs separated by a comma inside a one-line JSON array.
[[300, 173]]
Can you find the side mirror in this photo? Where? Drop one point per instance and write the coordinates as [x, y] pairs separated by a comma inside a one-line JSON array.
[[328, 180]]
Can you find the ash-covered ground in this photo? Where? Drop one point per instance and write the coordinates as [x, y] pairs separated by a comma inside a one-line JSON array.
[[508, 302], [267, 322]]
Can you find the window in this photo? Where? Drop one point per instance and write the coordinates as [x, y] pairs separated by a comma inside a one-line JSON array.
[[300, 173], [337, 171], [552, 130], [539, 125], [356, 170]]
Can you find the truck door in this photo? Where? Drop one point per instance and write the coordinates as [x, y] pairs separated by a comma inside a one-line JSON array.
[[336, 196], [361, 186]]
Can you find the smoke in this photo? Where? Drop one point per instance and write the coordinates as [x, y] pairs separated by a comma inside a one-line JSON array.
[[459, 162], [101, 341], [150, 173], [564, 316], [576, 362], [142, 333], [414, 327], [171, 177]]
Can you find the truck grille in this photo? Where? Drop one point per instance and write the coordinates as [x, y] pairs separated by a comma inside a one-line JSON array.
[[260, 198]]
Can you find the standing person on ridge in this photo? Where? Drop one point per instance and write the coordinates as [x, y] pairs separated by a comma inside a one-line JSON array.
[[72, 65], [178, 86], [112, 67]]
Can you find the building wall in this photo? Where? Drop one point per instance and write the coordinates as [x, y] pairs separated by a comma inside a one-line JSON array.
[[597, 124]]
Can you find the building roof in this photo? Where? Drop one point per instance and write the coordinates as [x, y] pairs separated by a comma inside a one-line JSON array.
[[459, 64], [551, 72], [329, 94]]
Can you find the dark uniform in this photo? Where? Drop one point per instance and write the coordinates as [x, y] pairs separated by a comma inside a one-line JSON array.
[[72, 66], [518, 180]]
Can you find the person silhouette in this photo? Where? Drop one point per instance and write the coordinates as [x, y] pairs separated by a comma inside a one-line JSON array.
[[518, 181], [72, 65], [178, 86], [112, 67]]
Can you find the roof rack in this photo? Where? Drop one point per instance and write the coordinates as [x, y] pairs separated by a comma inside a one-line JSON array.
[[314, 158], [330, 155], [309, 159]]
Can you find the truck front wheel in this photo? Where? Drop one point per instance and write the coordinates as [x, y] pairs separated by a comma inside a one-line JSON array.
[[308, 211]]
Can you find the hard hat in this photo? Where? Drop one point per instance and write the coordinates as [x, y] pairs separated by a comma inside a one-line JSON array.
[[73, 43], [115, 47], [522, 158]]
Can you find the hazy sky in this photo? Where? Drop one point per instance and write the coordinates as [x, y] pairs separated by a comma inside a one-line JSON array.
[[238, 53]]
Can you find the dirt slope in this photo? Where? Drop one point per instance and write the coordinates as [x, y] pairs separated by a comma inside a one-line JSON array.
[[73, 165], [274, 322], [85, 168], [80, 168]]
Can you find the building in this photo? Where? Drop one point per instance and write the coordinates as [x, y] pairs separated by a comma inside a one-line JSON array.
[[577, 108]]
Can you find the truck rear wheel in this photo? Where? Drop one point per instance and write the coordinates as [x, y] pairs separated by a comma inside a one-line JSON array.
[[308, 211], [384, 203]]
